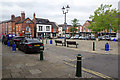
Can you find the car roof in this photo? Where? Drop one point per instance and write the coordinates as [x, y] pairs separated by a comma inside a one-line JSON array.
[[18, 36]]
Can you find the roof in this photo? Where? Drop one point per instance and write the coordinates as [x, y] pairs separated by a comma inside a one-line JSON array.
[[46, 22], [21, 21], [9, 20], [41, 20]]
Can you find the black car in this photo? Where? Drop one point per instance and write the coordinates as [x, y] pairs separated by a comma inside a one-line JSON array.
[[16, 40], [30, 45], [5, 40]]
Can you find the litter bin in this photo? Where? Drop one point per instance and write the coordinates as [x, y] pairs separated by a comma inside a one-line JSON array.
[[50, 41], [8, 43], [14, 47], [106, 47]]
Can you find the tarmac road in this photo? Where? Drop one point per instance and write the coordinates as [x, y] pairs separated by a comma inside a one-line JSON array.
[[102, 63]]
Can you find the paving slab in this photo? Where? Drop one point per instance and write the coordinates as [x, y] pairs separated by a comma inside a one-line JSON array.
[[35, 71]]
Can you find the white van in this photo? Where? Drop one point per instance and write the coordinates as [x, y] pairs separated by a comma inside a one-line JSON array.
[[114, 37]]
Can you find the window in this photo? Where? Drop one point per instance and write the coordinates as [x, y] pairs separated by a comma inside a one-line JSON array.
[[40, 28], [47, 28], [28, 22], [28, 28], [19, 28]]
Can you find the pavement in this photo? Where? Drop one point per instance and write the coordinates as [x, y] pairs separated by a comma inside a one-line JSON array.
[[87, 45], [60, 62], [20, 65]]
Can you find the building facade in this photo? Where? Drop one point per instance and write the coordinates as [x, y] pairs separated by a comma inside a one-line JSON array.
[[67, 32], [45, 28]]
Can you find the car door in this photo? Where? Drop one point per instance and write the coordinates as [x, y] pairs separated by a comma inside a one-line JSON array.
[[21, 45]]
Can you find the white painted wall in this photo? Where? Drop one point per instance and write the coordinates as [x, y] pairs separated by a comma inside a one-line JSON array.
[[44, 28]]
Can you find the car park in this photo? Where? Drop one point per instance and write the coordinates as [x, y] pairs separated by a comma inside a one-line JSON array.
[[29, 45], [16, 40]]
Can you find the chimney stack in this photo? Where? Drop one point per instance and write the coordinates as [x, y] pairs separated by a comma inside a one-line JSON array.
[[22, 15], [12, 16]]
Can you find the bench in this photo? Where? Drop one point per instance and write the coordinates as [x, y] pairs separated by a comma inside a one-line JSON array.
[[58, 41], [71, 43]]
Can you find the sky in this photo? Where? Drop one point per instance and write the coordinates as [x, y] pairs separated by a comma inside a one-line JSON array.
[[51, 9]]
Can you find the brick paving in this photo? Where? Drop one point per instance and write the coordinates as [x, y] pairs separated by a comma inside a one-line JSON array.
[[87, 45]]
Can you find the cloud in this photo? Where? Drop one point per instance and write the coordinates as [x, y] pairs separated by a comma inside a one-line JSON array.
[[51, 9]]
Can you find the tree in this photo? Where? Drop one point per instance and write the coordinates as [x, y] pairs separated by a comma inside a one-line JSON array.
[[104, 18], [74, 25]]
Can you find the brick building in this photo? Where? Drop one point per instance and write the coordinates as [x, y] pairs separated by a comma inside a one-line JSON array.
[[43, 27], [8, 26], [67, 31], [25, 26]]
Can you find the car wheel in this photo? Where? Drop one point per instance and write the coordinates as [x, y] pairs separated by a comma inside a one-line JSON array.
[[25, 50]]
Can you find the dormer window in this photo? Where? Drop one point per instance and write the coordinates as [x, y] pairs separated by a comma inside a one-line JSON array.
[[40, 22], [28, 22]]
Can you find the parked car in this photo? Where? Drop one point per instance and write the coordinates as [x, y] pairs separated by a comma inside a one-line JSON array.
[[68, 37], [5, 40], [30, 45], [86, 38], [81, 37], [112, 38], [72, 37], [16, 40], [100, 37], [106, 37], [76, 37], [92, 38]]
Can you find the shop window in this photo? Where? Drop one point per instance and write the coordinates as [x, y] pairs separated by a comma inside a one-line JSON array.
[[40, 28], [47, 28]]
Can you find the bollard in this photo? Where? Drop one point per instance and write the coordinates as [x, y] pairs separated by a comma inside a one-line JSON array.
[[8, 44], [79, 66], [41, 55], [106, 47], [46, 40], [93, 46], [114, 39], [43, 41], [51, 41], [14, 47]]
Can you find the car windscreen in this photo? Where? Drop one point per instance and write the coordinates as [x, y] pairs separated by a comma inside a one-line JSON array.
[[20, 37], [33, 40]]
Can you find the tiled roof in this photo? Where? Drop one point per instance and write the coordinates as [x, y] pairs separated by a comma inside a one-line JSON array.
[[10, 20], [41, 20], [46, 22], [21, 21]]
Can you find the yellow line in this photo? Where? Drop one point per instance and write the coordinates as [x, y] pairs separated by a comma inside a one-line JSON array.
[[90, 71]]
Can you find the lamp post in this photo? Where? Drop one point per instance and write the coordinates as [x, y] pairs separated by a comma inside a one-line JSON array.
[[110, 31], [65, 10]]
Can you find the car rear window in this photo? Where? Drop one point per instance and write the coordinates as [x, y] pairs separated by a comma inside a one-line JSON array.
[[20, 37], [33, 40]]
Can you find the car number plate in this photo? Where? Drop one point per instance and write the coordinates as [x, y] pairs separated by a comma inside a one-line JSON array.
[[36, 45]]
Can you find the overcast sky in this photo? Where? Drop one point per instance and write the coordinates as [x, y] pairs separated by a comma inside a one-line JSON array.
[[51, 9]]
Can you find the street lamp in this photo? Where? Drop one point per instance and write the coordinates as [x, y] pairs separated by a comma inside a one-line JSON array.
[[110, 31], [65, 10]]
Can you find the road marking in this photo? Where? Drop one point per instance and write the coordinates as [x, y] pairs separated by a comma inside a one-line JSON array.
[[90, 71]]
